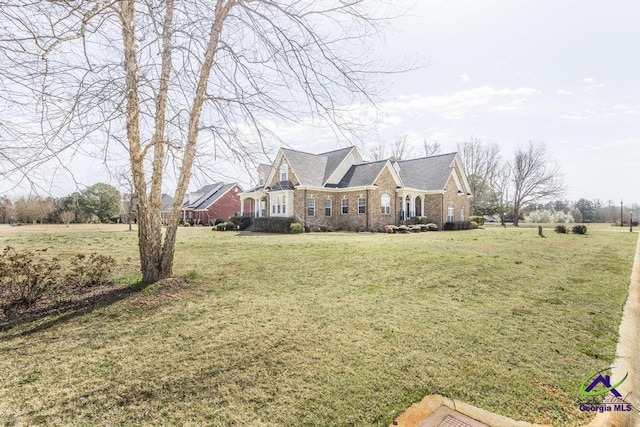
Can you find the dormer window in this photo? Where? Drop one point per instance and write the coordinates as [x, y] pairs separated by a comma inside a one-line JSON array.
[[284, 172], [261, 180]]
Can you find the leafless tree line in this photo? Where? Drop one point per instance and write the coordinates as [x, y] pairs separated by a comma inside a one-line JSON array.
[[500, 186]]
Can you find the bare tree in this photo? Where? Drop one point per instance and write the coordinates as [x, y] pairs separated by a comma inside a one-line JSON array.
[[481, 162], [499, 195], [534, 176], [399, 149], [66, 217], [166, 80], [431, 148], [33, 209]]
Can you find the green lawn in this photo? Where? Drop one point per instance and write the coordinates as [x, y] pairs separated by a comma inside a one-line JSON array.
[[323, 329]]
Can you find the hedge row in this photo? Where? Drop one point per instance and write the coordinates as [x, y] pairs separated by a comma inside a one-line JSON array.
[[273, 224]]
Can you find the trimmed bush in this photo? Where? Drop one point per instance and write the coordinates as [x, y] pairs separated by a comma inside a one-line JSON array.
[[414, 228], [458, 225], [402, 229], [273, 224], [478, 220], [243, 222], [561, 229], [420, 220], [296, 228], [579, 229], [218, 221], [473, 225], [390, 229], [225, 226], [432, 227]]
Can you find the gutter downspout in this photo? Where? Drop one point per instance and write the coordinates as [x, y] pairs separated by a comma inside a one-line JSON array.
[[367, 212], [442, 212], [304, 205]]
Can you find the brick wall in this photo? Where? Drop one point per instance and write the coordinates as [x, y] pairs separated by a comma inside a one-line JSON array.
[[226, 206]]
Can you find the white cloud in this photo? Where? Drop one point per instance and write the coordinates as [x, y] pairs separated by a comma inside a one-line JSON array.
[[465, 78], [590, 83], [627, 109], [584, 114], [463, 104], [563, 92]]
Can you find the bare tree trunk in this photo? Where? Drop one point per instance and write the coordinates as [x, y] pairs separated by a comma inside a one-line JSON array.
[[221, 11]]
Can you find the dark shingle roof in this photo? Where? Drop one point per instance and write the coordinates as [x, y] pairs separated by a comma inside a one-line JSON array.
[[361, 175], [207, 195], [308, 168], [314, 169], [334, 158], [282, 185], [208, 201], [427, 173]]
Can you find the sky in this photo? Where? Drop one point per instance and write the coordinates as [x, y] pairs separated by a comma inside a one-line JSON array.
[[565, 73], [504, 71]]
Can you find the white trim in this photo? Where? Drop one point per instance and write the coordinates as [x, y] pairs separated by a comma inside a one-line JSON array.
[[335, 190], [394, 174]]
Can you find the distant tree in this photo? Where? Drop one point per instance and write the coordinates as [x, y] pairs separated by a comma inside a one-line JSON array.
[[129, 197], [72, 203], [481, 162], [66, 217], [399, 149], [534, 176], [431, 148], [33, 209], [6, 210], [587, 210], [500, 198], [101, 200]]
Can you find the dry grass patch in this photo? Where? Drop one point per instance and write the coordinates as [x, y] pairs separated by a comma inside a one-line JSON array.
[[326, 329]]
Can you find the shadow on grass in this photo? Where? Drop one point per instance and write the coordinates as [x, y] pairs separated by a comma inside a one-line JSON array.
[[65, 311]]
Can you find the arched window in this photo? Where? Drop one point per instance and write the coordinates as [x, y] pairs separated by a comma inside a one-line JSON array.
[[284, 171]]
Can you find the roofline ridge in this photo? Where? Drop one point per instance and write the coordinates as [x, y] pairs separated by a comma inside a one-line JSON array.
[[428, 157]]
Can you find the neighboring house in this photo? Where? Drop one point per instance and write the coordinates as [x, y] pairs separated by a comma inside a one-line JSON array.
[[339, 190], [211, 202]]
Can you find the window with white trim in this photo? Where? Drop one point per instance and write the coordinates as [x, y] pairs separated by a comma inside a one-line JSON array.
[[327, 206], [311, 206], [461, 214], [450, 213], [284, 171], [385, 204], [284, 205], [278, 204], [362, 205], [344, 206]]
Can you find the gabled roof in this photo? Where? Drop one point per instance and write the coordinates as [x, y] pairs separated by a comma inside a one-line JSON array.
[[314, 170], [427, 173], [308, 168], [207, 195], [362, 174], [334, 159]]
